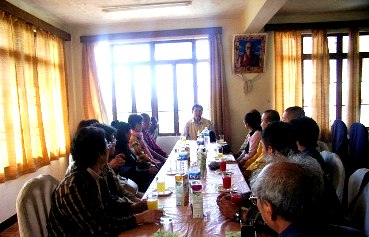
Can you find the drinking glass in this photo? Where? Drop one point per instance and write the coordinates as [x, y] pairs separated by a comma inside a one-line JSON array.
[[166, 224], [223, 165], [152, 201], [221, 138], [220, 152], [227, 181], [160, 185], [236, 198]]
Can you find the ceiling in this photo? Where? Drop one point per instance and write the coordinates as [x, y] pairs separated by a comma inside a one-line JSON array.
[[89, 12]]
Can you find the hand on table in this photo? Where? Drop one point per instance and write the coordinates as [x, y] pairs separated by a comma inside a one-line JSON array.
[[149, 216], [226, 207]]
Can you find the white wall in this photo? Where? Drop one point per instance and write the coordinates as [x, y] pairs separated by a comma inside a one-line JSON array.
[[10, 189]]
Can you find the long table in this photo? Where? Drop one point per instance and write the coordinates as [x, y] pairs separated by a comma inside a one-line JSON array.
[[213, 223]]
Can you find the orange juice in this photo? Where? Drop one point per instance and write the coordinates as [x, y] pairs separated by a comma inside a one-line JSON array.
[[182, 189], [152, 204], [161, 186]]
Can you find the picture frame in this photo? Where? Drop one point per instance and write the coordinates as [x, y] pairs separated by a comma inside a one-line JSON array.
[[249, 53]]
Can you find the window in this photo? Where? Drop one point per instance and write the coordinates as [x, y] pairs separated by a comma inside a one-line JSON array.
[[338, 48], [161, 78]]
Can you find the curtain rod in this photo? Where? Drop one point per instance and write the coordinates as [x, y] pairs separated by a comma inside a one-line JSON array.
[[151, 34], [318, 25], [31, 19]]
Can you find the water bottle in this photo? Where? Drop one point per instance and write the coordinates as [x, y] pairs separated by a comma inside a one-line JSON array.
[[201, 160], [206, 137]]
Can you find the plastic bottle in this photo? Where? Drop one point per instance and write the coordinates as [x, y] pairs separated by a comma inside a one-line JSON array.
[[201, 160], [206, 133]]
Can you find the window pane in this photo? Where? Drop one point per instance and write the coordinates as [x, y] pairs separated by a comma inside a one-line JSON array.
[[364, 116], [345, 44], [364, 43], [185, 86], [308, 80], [184, 116], [166, 122], [164, 87], [365, 81], [202, 49], [203, 82], [332, 89], [142, 84], [307, 44], [345, 91], [332, 44], [168, 51], [131, 53], [345, 85], [123, 93]]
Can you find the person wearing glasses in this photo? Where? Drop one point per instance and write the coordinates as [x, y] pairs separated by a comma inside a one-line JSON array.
[[82, 204], [288, 194], [279, 141]]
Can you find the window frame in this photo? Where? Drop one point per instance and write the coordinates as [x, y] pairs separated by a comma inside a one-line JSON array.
[[339, 56], [152, 64]]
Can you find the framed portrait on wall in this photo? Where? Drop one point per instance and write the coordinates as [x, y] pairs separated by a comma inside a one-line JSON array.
[[249, 53]]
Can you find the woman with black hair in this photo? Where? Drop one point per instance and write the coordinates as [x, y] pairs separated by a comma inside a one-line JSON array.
[[141, 172], [252, 122]]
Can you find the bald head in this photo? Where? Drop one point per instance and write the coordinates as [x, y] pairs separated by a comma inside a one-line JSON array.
[[292, 189], [292, 113]]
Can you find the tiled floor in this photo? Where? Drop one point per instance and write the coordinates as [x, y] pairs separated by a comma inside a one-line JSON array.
[[12, 231]]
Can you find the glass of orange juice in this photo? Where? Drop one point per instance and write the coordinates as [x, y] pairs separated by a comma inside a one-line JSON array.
[[160, 185], [152, 201]]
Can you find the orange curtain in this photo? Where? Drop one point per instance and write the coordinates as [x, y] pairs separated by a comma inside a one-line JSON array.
[[353, 99], [218, 88], [33, 102], [320, 87], [94, 107], [288, 76]]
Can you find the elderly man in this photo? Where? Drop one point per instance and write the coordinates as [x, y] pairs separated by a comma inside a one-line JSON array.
[[288, 194], [197, 124]]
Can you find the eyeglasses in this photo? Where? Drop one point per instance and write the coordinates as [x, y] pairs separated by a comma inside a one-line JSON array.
[[253, 199]]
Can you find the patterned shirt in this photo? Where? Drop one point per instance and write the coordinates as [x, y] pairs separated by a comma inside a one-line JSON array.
[[78, 208]]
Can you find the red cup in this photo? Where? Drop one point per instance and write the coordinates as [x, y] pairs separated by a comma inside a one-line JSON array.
[[236, 198], [223, 165], [227, 181]]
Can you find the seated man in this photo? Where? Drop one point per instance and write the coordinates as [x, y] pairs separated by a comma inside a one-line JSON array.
[[288, 195], [82, 204], [278, 139], [197, 124]]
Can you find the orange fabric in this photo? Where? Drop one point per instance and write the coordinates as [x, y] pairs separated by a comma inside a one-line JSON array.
[[93, 103], [218, 96], [353, 98], [320, 96], [33, 101], [288, 76]]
